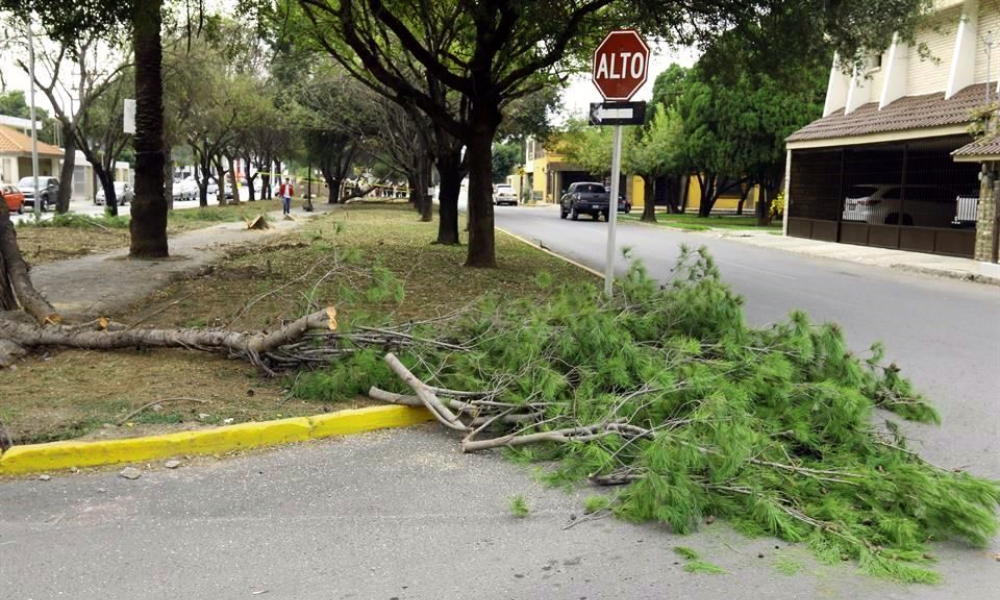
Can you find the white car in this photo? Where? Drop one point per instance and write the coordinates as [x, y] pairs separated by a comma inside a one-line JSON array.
[[185, 189], [504, 194], [123, 194], [881, 204]]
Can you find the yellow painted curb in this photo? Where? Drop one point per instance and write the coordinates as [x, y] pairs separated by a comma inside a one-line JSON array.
[[593, 272], [64, 455]]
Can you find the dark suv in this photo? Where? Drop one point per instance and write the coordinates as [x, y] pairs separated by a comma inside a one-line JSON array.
[[48, 189]]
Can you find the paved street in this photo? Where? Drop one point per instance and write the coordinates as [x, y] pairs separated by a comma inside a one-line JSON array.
[[396, 514], [87, 207], [944, 333]]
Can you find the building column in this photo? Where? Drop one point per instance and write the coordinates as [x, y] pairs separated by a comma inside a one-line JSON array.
[[986, 214], [788, 195]]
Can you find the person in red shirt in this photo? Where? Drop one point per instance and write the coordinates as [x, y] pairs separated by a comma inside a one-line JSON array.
[[286, 191]]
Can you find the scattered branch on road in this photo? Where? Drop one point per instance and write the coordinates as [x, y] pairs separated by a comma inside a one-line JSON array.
[[665, 392], [135, 412]]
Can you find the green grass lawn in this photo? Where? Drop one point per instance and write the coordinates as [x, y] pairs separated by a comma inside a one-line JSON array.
[[693, 222]]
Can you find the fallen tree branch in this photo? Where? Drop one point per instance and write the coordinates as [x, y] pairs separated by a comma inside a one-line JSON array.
[[431, 401], [249, 345]]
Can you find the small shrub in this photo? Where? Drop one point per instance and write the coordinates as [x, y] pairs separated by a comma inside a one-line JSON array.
[[519, 507]]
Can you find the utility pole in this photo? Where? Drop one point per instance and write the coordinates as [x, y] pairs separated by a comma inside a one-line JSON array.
[[34, 133]]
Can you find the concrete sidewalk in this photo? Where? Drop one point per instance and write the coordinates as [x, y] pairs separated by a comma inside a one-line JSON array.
[[918, 262], [95, 285]]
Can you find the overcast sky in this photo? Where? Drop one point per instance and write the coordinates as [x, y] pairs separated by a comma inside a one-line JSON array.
[[581, 91]]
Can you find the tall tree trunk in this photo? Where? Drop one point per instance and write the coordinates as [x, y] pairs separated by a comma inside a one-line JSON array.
[[246, 175], [648, 199], [482, 237], [108, 185], [149, 209], [451, 173], [709, 193], [65, 193], [744, 194]]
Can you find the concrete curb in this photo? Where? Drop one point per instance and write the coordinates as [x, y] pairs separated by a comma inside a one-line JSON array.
[[56, 456], [593, 272]]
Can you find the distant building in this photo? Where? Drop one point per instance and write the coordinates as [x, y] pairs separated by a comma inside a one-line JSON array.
[[15, 160], [879, 168]]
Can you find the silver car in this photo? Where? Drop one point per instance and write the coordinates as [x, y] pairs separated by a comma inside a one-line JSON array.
[[123, 194]]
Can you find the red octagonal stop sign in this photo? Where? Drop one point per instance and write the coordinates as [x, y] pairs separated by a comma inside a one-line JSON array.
[[621, 63]]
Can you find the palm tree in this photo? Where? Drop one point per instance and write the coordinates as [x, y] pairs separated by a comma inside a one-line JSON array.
[[148, 227]]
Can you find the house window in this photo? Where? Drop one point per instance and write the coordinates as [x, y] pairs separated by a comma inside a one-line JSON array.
[[875, 62]]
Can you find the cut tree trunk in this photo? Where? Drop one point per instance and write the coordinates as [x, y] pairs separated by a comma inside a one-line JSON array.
[[14, 276], [247, 345]]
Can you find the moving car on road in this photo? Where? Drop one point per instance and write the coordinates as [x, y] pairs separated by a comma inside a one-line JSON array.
[[123, 194], [591, 198], [504, 194], [13, 197], [48, 187]]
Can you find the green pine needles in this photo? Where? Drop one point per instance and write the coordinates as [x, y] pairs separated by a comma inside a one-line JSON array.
[[667, 392]]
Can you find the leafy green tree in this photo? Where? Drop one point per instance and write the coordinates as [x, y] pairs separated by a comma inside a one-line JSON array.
[[492, 52], [653, 153], [506, 156]]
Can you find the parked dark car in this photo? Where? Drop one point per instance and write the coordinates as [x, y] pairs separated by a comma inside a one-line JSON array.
[[48, 187], [589, 198]]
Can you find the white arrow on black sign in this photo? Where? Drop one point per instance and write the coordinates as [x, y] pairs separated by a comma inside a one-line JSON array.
[[617, 113]]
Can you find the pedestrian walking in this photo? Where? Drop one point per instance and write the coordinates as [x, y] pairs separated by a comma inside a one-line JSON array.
[[286, 191]]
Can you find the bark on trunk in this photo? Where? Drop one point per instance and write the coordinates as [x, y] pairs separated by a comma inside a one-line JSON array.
[[149, 209], [168, 181], [108, 185], [708, 195], [648, 199], [451, 184], [482, 241], [246, 173], [65, 192], [15, 278]]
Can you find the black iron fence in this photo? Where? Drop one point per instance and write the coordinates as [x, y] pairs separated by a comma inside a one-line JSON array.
[[908, 195]]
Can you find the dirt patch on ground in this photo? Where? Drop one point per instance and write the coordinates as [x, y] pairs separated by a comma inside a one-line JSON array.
[[41, 245], [375, 263]]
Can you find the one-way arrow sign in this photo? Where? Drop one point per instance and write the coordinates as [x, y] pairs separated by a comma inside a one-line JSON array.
[[617, 113]]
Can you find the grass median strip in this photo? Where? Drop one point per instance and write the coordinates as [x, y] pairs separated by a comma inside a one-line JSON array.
[[374, 262]]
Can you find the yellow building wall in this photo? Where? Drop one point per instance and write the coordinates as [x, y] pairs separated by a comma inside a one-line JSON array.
[[729, 202], [638, 196]]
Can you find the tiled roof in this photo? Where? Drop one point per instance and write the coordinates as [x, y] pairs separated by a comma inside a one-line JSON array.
[[15, 142], [983, 147], [909, 112]]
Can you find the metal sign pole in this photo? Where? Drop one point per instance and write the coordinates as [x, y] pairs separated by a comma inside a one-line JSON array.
[[616, 163], [34, 133]]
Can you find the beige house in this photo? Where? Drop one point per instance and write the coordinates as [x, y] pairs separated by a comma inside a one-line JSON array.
[[15, 156], [879, 168], [15, 161]]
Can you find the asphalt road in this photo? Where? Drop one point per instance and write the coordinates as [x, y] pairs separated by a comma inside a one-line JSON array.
[[397, 514], [943, 333], [403, 514]]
